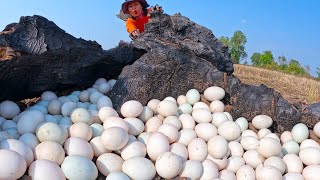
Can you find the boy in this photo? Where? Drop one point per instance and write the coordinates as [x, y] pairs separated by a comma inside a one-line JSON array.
[[138, 16]]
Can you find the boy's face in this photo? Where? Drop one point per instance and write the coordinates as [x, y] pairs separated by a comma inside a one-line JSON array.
[[135, 9]]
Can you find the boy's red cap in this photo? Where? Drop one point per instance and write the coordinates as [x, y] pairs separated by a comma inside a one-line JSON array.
[[124, 6]]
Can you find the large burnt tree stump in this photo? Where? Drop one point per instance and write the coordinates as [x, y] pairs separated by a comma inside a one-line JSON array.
[[37, 56]]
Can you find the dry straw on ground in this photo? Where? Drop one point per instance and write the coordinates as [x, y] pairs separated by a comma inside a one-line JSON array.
[[293, 88]]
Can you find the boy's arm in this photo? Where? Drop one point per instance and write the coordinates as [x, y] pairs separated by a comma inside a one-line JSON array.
[[132, 28], [131, 25]]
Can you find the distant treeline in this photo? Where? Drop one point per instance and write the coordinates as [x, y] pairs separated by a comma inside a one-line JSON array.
[[236, 48]]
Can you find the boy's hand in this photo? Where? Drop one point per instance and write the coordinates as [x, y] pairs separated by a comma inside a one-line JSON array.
[[134, 34]]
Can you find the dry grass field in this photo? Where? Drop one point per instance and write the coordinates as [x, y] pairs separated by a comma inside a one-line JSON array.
[[293, 88]]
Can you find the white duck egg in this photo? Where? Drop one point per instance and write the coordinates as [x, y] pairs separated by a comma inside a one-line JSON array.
[[216, 106], [48, 96], [214, 93], [108, 163], [73, 168], [9, 109], [262, 121], [300, 132], [167, 108], [193, 96]]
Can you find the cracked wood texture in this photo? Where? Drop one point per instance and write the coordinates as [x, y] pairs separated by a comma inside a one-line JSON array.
[[44, 57]]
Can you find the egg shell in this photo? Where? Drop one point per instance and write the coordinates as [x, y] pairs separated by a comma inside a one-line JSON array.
[[310, 156], [134, 149], [293, 162], [268, 171], [109, 162], [170, 131], [168, 165], [311, 172], [115, 122], [192, 169], [229, 130], [276, 162], [9, 109], [210, 170], [205, 131], [173, 120], [48, 96], [117, 176], [81, 115], [268, 147], [131, 108], [167, 108], [182, 99], [45, 169], [78, 146], [81, 130], [216, 106], [187, 121], [197, 149], [202, 115], [262, 121], [114, 138], [20, 148], [227, 174], [153, 104], [193, 96], [139, 168], [97, 146], [152, 125], [73, 168], [12, 164], [217, 146], [158, 143], [146, 114], [246, 172], [253, 158], [300, 132], [50, 151], [214, 93]]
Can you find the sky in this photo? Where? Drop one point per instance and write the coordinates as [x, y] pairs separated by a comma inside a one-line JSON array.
[[287, 28]]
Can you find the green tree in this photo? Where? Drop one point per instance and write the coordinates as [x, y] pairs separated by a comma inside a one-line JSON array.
[[225, 40], [282, 63], [236, 46], [255, 59], [264, 60], [294, 67]]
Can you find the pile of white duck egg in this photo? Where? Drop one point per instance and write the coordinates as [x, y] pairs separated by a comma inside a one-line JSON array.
[[79, 135]]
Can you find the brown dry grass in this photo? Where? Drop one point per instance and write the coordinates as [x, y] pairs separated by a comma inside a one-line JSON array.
[[293, 88]]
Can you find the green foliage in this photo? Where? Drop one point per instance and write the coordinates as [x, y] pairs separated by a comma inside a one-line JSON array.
[[236, 46], [236, 49], [225, 40], [294, 67], [282, 60], [266, 60], [263, 60], [255, 59]]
